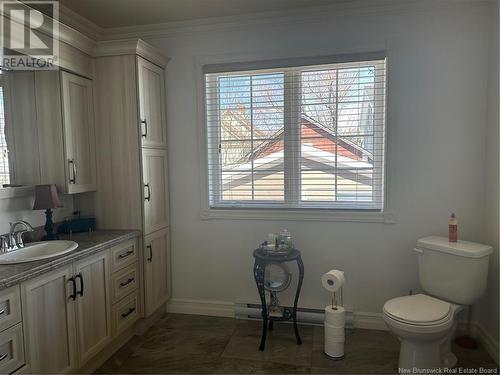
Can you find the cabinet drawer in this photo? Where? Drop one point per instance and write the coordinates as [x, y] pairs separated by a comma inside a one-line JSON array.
[[125, 313], [124, 282], [123, 255], [10, 307], [11, 349]]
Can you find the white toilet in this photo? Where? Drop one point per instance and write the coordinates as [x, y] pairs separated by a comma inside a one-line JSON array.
[[454, 275]]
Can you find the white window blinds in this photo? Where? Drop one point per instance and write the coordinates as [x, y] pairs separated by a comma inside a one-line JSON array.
[[297, 137]]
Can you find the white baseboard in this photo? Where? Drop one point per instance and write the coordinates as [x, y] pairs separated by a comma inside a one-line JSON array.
[[489, 343], [201, 307], [369, 321], [478, 332]]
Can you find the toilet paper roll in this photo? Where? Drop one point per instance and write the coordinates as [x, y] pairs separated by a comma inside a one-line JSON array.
[[335, 318], [332, 331], [333, 280], [334, 341], [334, 349]]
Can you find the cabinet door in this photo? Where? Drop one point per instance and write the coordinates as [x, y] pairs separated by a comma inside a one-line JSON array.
[[11, 349], [79, 133], [22, 156], [92, 304], [49, 322], [156, 270], [151, 80], [156, 215], [49, 123]]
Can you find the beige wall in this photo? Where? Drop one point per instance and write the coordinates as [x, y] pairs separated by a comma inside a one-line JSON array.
[[487, 312], [437, 93]]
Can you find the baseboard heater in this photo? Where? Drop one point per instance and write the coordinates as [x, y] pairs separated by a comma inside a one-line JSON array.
[[304, 315]]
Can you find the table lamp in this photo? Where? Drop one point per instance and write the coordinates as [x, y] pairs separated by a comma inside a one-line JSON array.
[[46, 198]]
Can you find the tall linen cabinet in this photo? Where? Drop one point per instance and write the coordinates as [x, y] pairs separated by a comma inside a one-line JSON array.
[[132, 174]]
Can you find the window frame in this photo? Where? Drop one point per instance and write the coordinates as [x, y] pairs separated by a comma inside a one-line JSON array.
[[288, 209]]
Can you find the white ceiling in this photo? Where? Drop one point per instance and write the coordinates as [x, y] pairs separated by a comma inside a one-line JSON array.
[[117, 13]]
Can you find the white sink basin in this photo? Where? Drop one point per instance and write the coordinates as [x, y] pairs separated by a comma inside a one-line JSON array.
[[37, 251]]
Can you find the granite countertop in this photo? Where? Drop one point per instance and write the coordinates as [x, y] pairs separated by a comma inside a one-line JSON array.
[[88, 244]]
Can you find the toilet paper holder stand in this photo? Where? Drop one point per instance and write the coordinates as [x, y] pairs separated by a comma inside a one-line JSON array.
[[334, 298]]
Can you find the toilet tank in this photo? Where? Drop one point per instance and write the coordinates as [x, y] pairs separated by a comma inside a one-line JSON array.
[[456, 272]]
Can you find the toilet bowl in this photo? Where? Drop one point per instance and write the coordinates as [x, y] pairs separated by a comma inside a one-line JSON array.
[[454, 275], [424, 326]]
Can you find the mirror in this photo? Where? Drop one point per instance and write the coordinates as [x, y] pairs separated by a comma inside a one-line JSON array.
[[19, 156]]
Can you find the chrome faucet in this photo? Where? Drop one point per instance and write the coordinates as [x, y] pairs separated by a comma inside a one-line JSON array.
[[14, 240], [18, 236]]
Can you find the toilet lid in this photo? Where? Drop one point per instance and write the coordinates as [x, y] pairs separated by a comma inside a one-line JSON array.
[[418, 309]]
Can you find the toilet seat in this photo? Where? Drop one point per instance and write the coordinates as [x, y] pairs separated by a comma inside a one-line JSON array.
[[419, 310]]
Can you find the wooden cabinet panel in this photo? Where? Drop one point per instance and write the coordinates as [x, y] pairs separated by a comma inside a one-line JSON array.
[[92, 304], [123, 255], [151, 84], [20, 127], [10, 307], [49, 322], [11, 349], [125, 313], [50, 128], [156, 215], [79, 133], [156, 270], [118, 144], [124, 282]]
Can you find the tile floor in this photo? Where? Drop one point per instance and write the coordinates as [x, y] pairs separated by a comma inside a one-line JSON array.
[[199, 344]]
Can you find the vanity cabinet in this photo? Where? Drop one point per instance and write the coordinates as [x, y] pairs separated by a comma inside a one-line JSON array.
[[50, 322], [132, 180], [65, 122], [70, 315], [92, 305], [124, 286]]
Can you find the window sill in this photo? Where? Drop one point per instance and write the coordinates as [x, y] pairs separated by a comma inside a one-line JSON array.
[[298, 215], [16, 192]]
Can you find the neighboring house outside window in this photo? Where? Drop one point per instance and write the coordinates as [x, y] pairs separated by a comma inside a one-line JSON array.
[[300, 137]]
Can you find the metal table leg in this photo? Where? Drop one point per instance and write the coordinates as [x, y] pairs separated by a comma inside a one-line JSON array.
[[258, 272], [294, 312]]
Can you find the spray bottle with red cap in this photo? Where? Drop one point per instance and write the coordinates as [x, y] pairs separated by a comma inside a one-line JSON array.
[[452, 228]]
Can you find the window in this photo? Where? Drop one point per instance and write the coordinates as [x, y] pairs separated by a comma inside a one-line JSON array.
[[296, 137]]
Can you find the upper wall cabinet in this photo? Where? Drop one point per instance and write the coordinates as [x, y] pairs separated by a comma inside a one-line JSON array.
[[79, 138], [65, 122], [151, 104], [18, 134]]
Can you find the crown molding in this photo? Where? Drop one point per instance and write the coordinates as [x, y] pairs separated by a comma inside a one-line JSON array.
[[331, 13], [130, 47], [75, 39], [80, 23]]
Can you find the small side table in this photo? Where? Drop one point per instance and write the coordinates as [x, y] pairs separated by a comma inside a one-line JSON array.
[[261, 259]]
